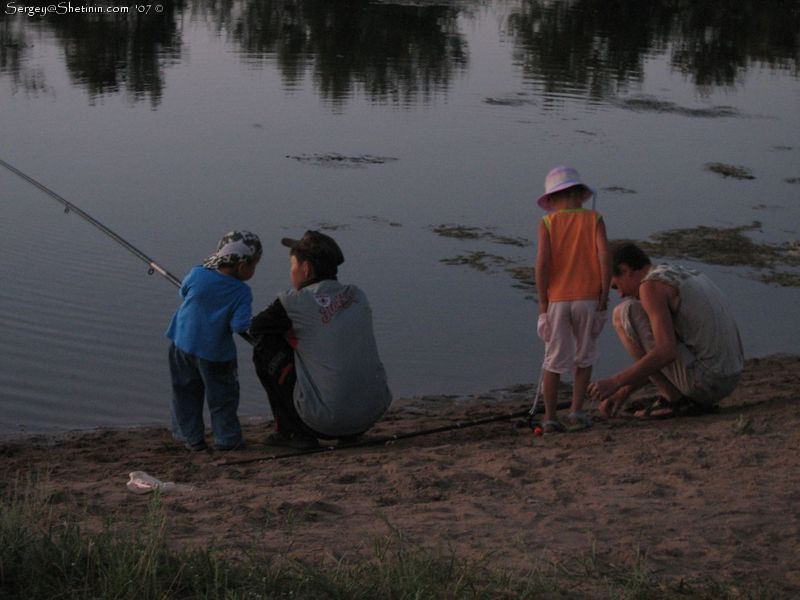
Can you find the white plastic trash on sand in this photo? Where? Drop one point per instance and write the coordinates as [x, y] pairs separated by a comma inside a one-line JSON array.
[[142, 483]]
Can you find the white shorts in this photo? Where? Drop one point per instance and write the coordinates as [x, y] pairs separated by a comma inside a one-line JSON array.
[[571, 344]]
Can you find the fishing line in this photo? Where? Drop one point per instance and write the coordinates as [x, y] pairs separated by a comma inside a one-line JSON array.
[[153, 266]]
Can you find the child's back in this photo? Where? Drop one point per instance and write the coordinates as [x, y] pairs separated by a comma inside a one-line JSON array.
[[572, 278], [202, 357], [574, 264], [214, 305]]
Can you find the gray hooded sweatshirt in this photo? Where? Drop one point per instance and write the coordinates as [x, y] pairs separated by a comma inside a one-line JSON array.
[[341, 383]]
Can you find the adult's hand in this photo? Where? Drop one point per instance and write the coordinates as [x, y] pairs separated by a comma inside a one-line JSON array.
[[610, 394], [611, 405], [603, 388]]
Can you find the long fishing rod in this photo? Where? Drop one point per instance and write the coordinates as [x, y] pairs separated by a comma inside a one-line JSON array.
[[388, 439], [154, 267]]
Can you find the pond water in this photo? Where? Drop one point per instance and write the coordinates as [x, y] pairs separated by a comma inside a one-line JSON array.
[[378, 122]]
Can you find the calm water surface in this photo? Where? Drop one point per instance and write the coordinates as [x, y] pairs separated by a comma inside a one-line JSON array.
[[377, 122]]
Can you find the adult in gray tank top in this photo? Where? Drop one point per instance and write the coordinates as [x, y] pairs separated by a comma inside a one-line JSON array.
[[316, 354], [678, 326]]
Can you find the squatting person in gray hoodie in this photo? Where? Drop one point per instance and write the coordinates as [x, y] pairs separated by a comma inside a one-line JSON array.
[[316, 354]]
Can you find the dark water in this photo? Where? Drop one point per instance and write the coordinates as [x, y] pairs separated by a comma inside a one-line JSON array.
[[378, 122]]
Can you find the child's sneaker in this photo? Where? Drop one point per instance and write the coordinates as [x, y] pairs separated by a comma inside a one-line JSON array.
[[200, 446]]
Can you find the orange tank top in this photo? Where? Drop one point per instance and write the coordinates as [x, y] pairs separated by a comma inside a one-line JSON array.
[[574, 265]]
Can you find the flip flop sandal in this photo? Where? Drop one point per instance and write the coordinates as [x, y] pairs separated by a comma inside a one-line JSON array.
[[682, 407], [660, 409]]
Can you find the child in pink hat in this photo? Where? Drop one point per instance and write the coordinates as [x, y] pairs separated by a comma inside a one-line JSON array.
[[573, 277]]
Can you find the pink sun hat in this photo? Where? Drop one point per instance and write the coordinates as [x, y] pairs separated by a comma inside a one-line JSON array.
[[559, 179]]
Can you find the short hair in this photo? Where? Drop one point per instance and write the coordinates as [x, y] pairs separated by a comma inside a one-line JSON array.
[[629, 254], [323, 269]]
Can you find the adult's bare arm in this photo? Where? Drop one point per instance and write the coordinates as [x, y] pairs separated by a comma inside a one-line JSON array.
[[655, 297]]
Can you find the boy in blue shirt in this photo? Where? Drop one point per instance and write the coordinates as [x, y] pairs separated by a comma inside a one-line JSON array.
[[202, 357]]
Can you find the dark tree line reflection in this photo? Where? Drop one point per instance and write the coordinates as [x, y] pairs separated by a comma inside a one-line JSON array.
[[103, 53], [388, 52], [408, 52], [598, 47]]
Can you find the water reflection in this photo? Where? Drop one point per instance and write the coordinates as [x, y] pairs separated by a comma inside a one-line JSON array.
[[407, 53], [390, 53], [395, 53], [103, 53], [597, 48]]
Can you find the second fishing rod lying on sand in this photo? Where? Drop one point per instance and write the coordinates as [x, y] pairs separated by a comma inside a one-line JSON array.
[[385, 440]]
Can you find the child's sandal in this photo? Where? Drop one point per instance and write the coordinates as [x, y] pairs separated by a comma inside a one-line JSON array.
[[552, 427]]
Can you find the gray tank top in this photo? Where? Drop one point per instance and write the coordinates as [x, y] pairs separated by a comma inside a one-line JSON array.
[[703, 321], [341, 383]]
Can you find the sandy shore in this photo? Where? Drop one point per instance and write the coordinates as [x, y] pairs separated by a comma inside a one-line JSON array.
[[716, 496]]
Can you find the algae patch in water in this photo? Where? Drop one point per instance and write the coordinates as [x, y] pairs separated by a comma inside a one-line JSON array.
[[781, 278], [325, 226], [380, 220], [519, 100], [732, 171], [649, 104], [525, 278], [463, 232], [333, 159], [478, 260], [617, 189], [487, 262], [492, 263], [729, 247]]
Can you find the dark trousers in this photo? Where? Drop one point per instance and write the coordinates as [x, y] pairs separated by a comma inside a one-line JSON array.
[[274, 362], [195, 379]]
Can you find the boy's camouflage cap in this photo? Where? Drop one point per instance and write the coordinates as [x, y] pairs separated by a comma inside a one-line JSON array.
[[317, 247], [234, 247]]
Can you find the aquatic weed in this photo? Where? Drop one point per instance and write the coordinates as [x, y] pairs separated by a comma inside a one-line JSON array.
[[478, 260], [720, 246], [463, 232], [732, 171]]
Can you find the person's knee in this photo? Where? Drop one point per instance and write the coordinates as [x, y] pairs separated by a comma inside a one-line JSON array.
[[630, 318], [621, 316]]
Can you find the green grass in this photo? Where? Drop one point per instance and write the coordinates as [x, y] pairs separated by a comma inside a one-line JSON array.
[[43, 556]]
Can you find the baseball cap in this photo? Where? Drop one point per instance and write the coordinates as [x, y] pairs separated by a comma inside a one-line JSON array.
[[317, 247]]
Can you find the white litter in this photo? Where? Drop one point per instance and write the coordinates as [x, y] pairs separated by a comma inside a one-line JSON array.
[[142, 483]]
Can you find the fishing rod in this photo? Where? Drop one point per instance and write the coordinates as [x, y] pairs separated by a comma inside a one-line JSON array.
[[389, 439], [153, 266]]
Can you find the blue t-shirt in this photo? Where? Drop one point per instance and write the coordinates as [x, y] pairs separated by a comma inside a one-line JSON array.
[[214, 307]]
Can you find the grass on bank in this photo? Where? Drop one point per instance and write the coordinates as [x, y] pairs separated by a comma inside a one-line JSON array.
[[43, 556]]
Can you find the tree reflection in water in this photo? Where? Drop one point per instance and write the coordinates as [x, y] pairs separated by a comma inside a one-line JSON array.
[[409, 52]]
